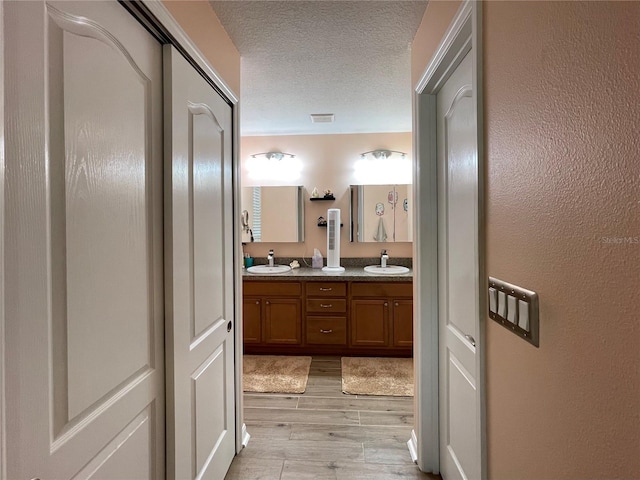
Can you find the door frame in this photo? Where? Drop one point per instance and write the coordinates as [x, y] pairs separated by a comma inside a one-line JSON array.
[[3, 445], [464, 35]]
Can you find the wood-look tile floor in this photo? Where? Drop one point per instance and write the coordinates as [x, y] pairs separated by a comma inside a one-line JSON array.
[[324, 434]]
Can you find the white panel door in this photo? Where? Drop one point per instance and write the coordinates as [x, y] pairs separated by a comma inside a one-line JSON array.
[[460, 434], [199, 275], [83, 252]]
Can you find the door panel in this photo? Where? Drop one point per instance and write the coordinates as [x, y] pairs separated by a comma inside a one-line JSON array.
[[126, 456], [458, 277], [84, 256], [199, 275], [206, 194], [106, 274]]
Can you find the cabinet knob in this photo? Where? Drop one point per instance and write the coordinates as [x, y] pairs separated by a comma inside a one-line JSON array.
[[397, 304], [268, 302], [386, 304], [326, 331], [257, 302]]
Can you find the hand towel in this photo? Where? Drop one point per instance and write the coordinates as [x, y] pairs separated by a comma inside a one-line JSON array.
[[381, 236]]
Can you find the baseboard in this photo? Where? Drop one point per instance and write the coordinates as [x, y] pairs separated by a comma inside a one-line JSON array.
[[412, 445], [245, 436]]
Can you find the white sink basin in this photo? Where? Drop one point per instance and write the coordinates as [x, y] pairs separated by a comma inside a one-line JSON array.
[[388, 270], [267, 270]]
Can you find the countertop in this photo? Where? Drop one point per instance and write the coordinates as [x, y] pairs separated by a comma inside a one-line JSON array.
[[350, 273]]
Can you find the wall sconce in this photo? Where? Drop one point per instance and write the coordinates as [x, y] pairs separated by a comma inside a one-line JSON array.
[[381, 154], [273, 155]]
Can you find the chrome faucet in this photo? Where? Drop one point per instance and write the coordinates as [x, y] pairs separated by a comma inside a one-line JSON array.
[[383, 259], [271, 258]]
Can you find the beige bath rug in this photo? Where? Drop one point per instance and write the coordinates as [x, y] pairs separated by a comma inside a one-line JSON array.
[[377, 376], [275, 373]]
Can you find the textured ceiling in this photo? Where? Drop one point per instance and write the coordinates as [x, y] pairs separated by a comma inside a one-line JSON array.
[[349, 58]]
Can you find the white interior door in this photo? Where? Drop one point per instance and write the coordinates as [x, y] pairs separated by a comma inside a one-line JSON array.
[[458, 267], [83, 251], [199, 275]]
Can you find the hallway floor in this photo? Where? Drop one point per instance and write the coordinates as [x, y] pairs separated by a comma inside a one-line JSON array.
[[324, 434]]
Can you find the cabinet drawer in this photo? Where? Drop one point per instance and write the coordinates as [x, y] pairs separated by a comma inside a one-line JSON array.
[[326, 305], [379, 289], [326, 289], [327, 330], [273, 289]]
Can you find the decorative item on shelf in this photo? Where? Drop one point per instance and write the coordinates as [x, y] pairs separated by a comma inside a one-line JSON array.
[[295, 264], [323, 223], [381, 154], [277, 156], [328, 195]]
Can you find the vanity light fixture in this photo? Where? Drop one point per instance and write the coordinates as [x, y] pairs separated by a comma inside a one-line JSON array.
[[381, 154], [273, 155]]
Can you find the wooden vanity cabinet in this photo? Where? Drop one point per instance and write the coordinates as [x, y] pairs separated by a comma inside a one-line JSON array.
[[272, 314], [381, 315], [328, 317]]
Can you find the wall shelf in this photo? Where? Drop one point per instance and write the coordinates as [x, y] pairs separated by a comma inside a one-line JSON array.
[[316, 199]]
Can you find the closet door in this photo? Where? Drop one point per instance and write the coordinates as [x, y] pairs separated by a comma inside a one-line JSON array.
[[83, 245], [199, 275]]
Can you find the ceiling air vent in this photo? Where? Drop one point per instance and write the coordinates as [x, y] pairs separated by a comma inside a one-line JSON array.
[[322, 117]]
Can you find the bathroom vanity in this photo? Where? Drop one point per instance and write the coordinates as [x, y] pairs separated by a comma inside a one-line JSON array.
[[308, 312]]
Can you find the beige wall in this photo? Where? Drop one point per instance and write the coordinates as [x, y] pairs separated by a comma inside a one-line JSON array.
[[328, 162], [200, 22], [561, 130], [435, 22], [562, 83]]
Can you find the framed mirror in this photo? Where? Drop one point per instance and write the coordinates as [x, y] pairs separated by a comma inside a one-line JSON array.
[[272, 214], [381, 213]]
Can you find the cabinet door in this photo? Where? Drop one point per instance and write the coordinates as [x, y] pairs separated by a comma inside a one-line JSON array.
[[370, 322], [251, 324], [282, 321], [403, 323]]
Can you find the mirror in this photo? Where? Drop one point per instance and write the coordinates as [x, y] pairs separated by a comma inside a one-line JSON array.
[[381, 213], [272, 214]]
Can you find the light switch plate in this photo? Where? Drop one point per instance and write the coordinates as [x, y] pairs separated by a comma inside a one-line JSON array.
[[518, 310]]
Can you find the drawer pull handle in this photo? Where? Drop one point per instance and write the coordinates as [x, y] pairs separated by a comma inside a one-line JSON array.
[[325, 305], [326, 331], [323, 289]]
